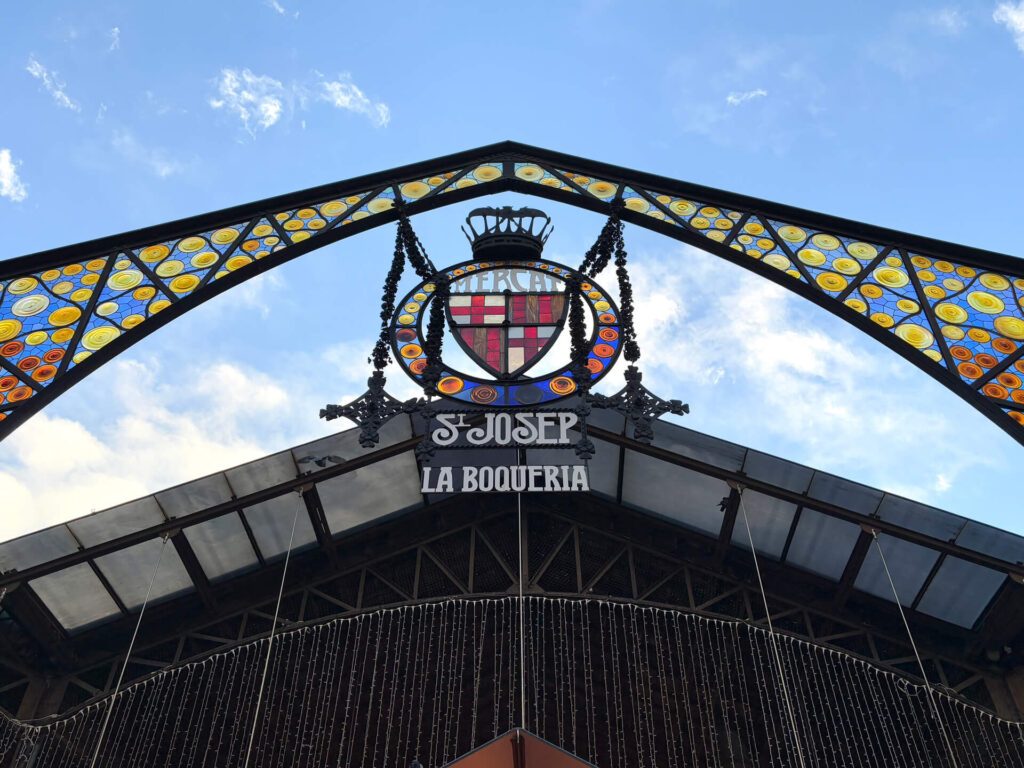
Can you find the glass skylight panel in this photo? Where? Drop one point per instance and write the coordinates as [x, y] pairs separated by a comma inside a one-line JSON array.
[[779, 472], [603, 468], [130, 571], [770, 520], [909, 565], [960, 591], [271, 525], [368, 493], [991, 541], [117, 521], [195, 496], [844, 493], [222, 546], [35, 548], [76, 597], [920, 518], [685, 496], [345, 445], [695, 445], [264, 473], [822, 544]]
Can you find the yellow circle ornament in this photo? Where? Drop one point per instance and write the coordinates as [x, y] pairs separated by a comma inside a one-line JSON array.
[[871, 291], [979, 334], [710, 211], [943, 266], [30, 305], [411, 189], [985, 302], [406, 319], [951, 313], [380, 205], [812, 257], [90, 279], [792, 234], [857, 305], [719, 223], [683, 208], [487, 172], [36, 337], [934, 354], [82, 294], [891, 277], [64, 286], [123, 281], [158, 305], [894, 261], [994, 282], [915, 335], [224, 236], [1011, 327], [50, 275], [602, 189], [131, 321], [62, 335], [144, 294], [846, 266], [98, 338], [22, 285], [934, 292], [331, 209], [953, 284], [530, 172], [191, 244], [765, 244], [170, 268], [826, 242], [80, 357], [715, 234], [64, 316], [908, 306], [9, 329], [106, 309], [640, 205], [154, 253], [237, 262], [926, 276], [830, 281], [965, 272], [777, 260], [204, 259], [920, 262], [699, 222], [862, 250], [183, 283], [882, 319], [753, 228]]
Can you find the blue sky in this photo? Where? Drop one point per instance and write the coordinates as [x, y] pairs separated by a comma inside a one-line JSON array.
[[122, 115]]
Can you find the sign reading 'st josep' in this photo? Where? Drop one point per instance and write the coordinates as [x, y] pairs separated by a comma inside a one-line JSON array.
[[541, 429]]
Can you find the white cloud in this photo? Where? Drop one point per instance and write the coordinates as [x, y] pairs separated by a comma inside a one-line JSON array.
[[275, 6], [157, 161], [115, 38], [52, 83], [345, 94], [949, 21], [260, 101], [257, 100], [11, 186], [736, 98], [1012, 17], [942, 483]]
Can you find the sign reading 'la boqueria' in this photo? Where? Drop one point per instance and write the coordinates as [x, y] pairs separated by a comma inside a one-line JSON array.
[[538, 429]]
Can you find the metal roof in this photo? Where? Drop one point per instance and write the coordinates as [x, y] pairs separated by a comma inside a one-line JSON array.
[[96, 568]]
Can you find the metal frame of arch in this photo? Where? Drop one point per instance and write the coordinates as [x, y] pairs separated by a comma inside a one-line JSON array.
[[954, 311]]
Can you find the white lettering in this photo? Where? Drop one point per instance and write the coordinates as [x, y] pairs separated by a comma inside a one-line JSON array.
[[566, 421], [448, 431], [579, 479], [469, 479]]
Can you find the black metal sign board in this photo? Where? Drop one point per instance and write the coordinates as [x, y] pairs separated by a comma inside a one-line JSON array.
[[549, 429]]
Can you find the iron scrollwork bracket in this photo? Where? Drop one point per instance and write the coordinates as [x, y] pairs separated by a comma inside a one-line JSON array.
[[372, 409], [639, 405]]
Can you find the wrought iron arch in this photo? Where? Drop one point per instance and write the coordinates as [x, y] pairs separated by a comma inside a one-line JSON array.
[[954, 311]]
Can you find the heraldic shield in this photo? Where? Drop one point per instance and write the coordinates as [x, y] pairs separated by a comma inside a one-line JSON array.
[[510, 324]]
